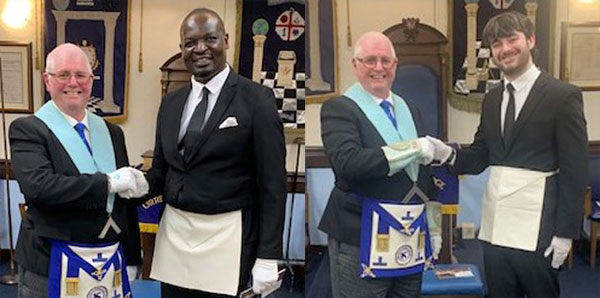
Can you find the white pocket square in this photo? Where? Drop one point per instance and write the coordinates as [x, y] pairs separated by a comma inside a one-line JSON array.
[[229, 122]]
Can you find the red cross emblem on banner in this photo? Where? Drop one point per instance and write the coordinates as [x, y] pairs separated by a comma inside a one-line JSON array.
[[289, 25]]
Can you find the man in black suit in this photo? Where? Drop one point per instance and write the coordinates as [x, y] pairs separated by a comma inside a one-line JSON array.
[[532, 135], [371, 139], [65, 160], [219, 162]]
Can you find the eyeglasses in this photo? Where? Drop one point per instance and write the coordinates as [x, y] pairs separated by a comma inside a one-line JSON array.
[[64, 77], [371, 61]]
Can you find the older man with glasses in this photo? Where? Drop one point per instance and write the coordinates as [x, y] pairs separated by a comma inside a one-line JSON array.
[[379, 213], [79, 232]]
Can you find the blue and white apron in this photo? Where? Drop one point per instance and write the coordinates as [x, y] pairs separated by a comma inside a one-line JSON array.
[[87, 270], [394, 239]]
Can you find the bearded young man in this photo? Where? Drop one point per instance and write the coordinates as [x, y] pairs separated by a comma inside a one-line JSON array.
[[533, 137]]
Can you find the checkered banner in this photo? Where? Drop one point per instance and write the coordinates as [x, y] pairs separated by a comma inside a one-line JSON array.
[[99, 27], [271, 52]]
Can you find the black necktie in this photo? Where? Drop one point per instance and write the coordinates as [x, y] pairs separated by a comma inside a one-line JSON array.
[[509, 118], [196, 122]]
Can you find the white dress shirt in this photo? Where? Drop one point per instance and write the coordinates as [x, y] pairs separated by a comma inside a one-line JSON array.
[[214, 87], [522, 86]]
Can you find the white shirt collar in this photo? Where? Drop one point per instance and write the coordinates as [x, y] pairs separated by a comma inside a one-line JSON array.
[[379, 100], [72, 121], [524, 79], [214, 85]]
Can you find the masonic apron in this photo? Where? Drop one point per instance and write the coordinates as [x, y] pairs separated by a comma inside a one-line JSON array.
[[77, 269], [512, 207], [394, 240], [199, 251]]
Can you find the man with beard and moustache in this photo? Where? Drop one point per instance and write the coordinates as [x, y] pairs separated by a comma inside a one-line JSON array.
[[532, 135], [219, 162]]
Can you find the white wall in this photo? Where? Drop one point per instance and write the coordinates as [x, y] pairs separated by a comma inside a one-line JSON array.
[[160, 41], [382, 14]]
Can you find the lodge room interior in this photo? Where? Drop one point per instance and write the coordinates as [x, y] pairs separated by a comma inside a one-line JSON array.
[[432, 47]]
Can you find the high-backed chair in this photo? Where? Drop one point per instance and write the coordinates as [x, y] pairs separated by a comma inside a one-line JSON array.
[[421, 79]]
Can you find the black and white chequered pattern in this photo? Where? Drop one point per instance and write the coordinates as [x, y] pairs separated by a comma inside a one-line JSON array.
[[92, 105], [290, 100], [483, 55]]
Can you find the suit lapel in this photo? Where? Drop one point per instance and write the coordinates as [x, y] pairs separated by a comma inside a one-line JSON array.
[[227, 92], [531, 103], [173, 124], [494, 114]]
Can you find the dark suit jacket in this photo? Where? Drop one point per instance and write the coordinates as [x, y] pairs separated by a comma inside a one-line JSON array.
[[353, 147], [549, 134], [62, 203], [228, 169]]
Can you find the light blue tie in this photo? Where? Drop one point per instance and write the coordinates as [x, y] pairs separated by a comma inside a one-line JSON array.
[[387, 107], [80, 127]]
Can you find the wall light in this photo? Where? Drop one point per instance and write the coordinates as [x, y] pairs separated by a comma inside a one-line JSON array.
[[588, 1], [16, 13]]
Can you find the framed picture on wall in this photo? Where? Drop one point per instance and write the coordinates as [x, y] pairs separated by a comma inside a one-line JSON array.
[[580, 60], [15, 77]]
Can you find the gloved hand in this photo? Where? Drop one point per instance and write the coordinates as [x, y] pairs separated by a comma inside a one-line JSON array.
[[141, 186], [561, 247], [427, 151], [121, 180], [264, 275], [436, 245], [442, 151]]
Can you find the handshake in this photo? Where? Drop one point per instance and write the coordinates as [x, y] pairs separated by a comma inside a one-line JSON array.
[[127, 182], [434, 149]]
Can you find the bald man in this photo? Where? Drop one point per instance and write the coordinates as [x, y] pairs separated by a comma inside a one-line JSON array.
[[71, 166], [219, 162], [376, 218]]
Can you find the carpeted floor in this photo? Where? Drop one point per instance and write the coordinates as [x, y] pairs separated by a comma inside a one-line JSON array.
[[578, 282]]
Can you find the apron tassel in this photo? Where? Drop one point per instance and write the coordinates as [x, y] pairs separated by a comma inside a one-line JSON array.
[[72, 286]]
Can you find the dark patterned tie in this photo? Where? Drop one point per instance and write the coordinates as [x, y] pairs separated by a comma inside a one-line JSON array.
[[387, 107], [509, 118], [196, 123], [80, 127]]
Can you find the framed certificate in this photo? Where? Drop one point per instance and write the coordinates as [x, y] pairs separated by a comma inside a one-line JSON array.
[[580, 60], [15, 77]]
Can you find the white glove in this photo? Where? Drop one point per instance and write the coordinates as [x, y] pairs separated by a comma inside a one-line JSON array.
[[121, 180], [560, 247], [436, 245], [427, 151], [141, 186], [264, 275], [442, 151]]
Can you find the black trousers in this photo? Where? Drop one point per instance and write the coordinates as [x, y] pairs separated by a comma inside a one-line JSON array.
[[516, 273]]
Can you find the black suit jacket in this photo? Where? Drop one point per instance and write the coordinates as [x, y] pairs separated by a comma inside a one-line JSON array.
[[62, 203], [353, 147], [549, 134], [234, 168]]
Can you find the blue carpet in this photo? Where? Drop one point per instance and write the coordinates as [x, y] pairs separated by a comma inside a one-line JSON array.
[[578, 282]]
